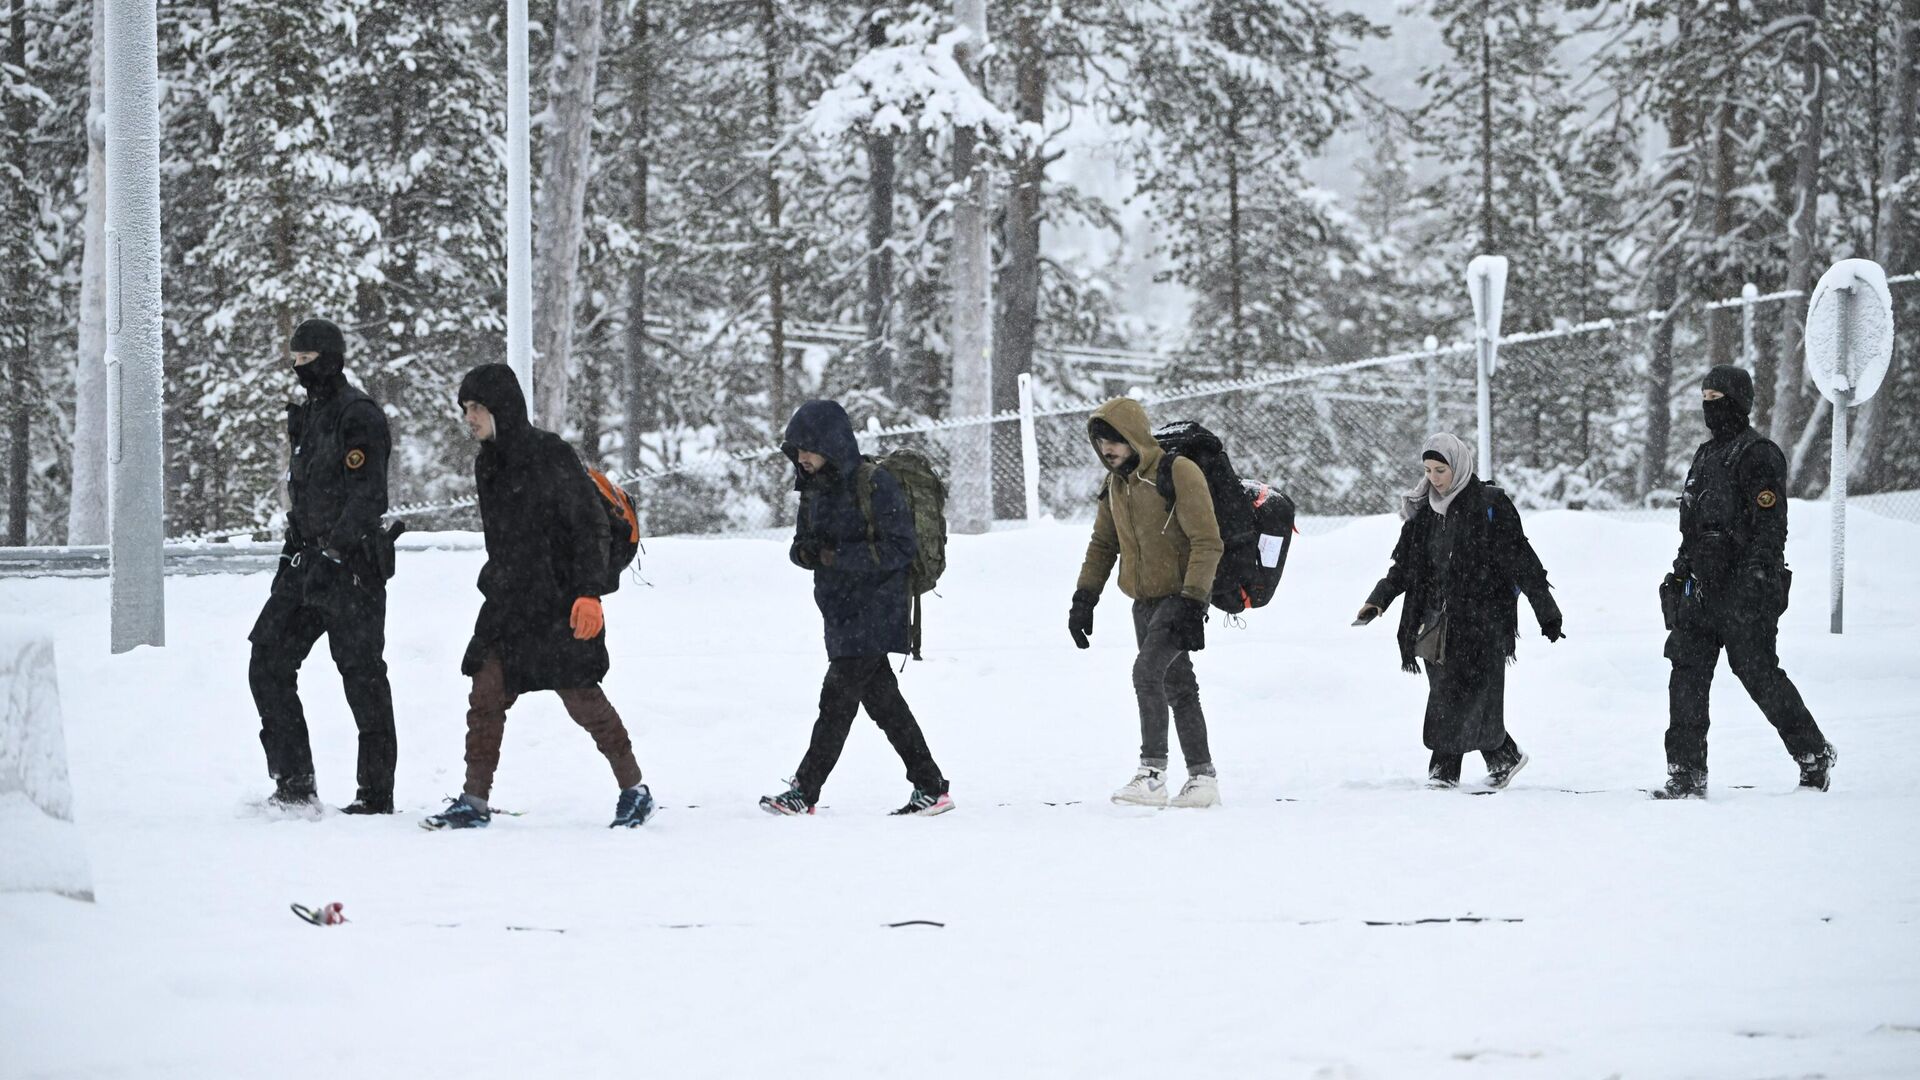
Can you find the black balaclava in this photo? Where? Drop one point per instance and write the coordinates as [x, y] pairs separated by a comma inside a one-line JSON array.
[[319, 336], [1098, 428], [1727, 414]]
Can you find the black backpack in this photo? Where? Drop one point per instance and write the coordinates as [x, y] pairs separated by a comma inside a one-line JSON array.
[[623, 527], [1256, 519]]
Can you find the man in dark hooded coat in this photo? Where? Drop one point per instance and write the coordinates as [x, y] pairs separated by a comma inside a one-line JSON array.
[[1728, 588], [859, 568], [332, 577], [541, 626]]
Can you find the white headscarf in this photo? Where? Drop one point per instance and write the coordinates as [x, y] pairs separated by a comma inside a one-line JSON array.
[[1458, 456]]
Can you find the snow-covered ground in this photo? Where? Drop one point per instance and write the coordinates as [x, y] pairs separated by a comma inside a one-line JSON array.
[[1764, 933]]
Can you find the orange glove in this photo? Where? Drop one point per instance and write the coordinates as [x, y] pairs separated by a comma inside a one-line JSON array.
[[587, 619]]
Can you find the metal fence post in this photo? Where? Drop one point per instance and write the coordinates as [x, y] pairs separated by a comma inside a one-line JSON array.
[[1029, 448], [1431, 369], [1748, 294]]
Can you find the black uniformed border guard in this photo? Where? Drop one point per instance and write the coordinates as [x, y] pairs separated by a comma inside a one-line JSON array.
[[332, 577]]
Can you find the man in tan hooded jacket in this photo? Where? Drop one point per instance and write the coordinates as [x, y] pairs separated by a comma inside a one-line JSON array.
[[1168, 555]]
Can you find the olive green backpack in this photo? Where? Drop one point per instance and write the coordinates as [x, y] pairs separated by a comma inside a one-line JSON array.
[[927, 504]]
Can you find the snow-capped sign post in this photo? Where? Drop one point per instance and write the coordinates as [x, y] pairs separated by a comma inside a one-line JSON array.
[[1487, 283], [1849, 345], [40, 848], [519, 205], [137, 523]]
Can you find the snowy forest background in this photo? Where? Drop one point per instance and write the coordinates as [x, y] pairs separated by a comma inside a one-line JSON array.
[[743, 203]]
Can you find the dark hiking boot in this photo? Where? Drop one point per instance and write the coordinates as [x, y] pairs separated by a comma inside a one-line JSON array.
[[1443, 774], [364, 803], [1501, 772], [1816, 769], [634, 808], [465, 812], [294, 792], [924, 804], [1683, 783], [789, 803]]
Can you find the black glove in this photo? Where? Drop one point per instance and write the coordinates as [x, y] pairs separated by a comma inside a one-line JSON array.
[[1080, 619], [1548, 613], [1759, 588], [322, 575], [1189, 623], [806, 552]]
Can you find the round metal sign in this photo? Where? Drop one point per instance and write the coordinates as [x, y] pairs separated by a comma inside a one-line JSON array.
[[1850, 331]]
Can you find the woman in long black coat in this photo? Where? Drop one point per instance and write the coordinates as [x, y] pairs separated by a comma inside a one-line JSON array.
[[1462, 562]]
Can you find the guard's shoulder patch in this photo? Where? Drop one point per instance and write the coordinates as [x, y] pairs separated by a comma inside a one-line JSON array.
[[1766, 499], [357, 457]]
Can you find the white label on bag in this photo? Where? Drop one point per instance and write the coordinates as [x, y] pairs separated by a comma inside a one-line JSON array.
[[1270, 548]]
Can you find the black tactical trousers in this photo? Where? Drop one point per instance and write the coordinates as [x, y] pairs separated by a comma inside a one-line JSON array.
[[854, 681], [1694, 645], [353, 617]]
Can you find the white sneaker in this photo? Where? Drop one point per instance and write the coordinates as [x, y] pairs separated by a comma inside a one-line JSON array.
[[1198, 791], [1147, 788]]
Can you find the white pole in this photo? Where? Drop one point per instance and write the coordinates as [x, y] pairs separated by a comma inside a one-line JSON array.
[[1029, 447], [1838, 489], [1837, 467], [1487, 285], [137, 527], [519, 204], [1748, 294], [1483, 402]]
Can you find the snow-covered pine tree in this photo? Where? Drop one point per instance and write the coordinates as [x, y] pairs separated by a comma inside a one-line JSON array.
[[566, 162], [285, 240], [87, 508], [1498, 122], [418, 112], [42, 101], [1235, 96]]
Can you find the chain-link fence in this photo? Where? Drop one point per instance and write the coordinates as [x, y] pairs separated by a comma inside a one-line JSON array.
[[1577, 422]]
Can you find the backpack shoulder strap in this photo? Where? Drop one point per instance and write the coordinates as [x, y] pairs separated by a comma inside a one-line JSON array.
[[863, 494], [1163, 481]]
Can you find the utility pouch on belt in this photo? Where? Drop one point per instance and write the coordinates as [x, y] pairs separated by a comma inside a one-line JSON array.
[[381, 548], [1672, 595]]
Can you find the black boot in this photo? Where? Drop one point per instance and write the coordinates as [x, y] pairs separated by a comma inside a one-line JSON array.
[[1443, 770], [1815, 768], [367, 803], [1683, 783], [294, 792]]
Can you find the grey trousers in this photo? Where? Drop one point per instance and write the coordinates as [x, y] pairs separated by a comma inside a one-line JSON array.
[[1163, 681]]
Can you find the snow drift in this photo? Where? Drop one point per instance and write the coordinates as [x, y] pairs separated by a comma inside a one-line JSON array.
[[40, 847]]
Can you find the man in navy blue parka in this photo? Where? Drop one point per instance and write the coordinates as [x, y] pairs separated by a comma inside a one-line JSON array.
[[860, 584]]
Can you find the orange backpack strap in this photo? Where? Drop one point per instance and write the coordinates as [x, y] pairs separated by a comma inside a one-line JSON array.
[[617, 495]]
